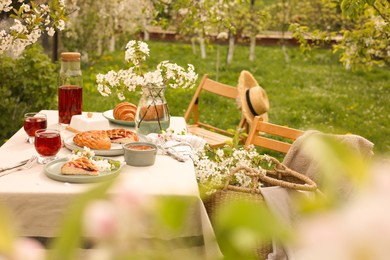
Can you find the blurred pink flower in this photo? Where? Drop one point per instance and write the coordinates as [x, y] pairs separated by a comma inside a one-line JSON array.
[[28, 249], [100, 220]]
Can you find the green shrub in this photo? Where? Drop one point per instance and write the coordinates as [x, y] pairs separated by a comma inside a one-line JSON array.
[[27, 84]]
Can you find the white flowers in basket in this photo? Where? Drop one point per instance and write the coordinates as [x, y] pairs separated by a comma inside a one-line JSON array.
[[166, 74], [212, 167]]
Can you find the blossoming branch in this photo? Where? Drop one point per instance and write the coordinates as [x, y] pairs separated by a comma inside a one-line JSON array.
[[213, 166], [30, 21]]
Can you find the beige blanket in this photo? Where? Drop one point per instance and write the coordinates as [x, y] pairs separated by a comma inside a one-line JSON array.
[[303, 157], [315, 155]]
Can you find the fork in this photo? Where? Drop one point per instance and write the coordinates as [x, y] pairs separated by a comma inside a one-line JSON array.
[[26, 166]]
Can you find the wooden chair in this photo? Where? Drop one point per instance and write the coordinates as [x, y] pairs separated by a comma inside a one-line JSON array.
[[214, 136], [257, 136]]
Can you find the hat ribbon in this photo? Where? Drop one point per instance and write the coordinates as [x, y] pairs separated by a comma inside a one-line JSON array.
[[248, 101]]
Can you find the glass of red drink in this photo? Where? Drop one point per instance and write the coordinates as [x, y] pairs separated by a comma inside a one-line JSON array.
[[34, 121], [47, 143]]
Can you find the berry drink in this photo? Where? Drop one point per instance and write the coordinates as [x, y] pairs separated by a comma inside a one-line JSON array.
[[47, 143], [32, 124], [70, 99]]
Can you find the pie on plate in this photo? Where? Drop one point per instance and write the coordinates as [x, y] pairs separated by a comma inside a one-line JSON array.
[[79, 166], [102, 139], [53, 171]]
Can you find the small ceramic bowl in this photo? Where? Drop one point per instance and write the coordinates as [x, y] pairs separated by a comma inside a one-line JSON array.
[[140, 153]]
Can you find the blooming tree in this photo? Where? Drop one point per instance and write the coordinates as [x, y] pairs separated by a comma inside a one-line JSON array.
[[95, 25], [191, 19], [363, 38], [29, 22], [215, 19]]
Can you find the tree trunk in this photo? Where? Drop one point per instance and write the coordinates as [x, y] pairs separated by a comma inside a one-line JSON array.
[[193, 45], [99, 49], [111, 48], [202, 48], [146, 35], [252, 48], [229, 59], [286, 57], [55, 46], [146, 32]]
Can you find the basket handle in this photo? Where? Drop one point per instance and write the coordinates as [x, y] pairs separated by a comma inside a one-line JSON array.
[[279, 170], [249, 172]]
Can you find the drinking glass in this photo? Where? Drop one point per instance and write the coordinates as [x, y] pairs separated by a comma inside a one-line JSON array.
[[47, 143], [32, 122]]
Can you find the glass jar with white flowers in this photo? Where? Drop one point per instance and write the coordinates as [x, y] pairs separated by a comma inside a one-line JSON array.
[[152, 114]]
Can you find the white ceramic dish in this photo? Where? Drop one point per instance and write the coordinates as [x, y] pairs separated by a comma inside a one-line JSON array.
[[140, 157], [53, 171], [110, 116]]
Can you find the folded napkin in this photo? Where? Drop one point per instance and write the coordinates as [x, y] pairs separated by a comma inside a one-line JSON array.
[[186, 145]]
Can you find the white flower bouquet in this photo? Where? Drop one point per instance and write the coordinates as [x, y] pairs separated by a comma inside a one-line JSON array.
[[166, 74], [152, 114]]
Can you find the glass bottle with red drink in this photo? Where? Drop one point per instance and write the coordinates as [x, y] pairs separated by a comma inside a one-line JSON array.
[[70, 90]]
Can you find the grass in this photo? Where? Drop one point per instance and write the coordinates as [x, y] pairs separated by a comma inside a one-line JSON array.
[[316, 93]]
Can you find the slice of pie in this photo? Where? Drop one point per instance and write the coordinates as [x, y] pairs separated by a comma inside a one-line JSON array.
[[80, 166], [122, 136]]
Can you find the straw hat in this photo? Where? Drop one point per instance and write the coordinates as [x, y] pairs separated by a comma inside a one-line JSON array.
[[254, 100]]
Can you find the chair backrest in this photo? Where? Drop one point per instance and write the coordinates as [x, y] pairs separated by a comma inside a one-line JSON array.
[[257, 136], [216, 88]]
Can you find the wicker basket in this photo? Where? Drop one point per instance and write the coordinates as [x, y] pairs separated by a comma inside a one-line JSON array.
[[222, 197], [279, 175]]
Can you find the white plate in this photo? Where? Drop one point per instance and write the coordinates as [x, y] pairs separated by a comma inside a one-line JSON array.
[[53, 171], [110, 116], [116, 149]]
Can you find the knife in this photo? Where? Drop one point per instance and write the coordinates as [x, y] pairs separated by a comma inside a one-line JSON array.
[[14, 166]]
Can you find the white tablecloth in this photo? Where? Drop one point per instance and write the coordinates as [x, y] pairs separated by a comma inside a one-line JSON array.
[[39, 203]]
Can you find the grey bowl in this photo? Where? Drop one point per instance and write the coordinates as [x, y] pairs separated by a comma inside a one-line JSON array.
[[135, 156]]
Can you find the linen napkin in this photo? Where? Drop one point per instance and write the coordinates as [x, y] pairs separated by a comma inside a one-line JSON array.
[[185, 145]]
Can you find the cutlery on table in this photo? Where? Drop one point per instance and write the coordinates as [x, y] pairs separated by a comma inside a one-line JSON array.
[[174, 155], [169, 150], [14, 166], [23, 165]]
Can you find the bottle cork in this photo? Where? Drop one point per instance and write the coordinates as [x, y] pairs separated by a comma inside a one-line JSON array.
[[70, 56]]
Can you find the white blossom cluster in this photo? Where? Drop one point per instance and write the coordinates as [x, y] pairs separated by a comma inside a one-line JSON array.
[[136, 52], [101, 164], [212, 167], [166, 75], [30, 22], [170, 133]]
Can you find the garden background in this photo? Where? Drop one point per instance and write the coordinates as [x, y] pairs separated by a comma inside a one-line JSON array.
[[336, 81], [325, 83]]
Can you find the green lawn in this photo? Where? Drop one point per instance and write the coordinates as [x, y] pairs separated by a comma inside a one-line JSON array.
[[315, 93]]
